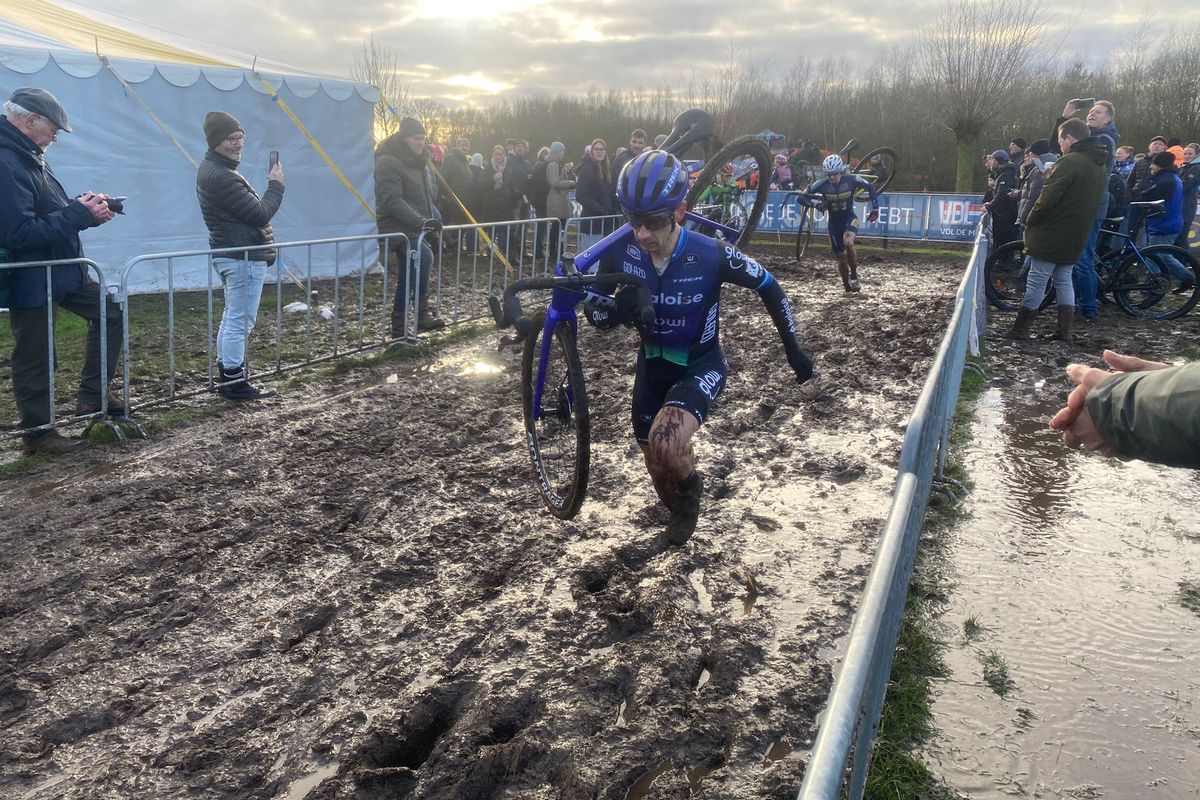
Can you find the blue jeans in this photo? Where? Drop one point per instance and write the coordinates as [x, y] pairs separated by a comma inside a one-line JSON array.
[[1087, 283], [1040, 274], [1173, 264], [243, 282]]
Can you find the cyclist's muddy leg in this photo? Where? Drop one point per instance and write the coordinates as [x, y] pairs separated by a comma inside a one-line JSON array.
[[843, 269], [851, 255], [669, 456]]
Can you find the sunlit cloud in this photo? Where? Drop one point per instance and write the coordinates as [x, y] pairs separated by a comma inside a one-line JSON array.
[[478, 82]]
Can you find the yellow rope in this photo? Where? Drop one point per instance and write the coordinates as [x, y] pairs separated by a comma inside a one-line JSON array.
[[316, 146], [129, 90], [487, 240]]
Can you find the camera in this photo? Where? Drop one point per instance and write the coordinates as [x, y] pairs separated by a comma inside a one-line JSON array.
[[116, 204]]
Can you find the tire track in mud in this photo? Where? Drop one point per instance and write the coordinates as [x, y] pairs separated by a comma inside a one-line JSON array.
[[357, 594]]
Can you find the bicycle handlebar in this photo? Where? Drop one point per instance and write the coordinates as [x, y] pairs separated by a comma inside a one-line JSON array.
[[509, 312], [803, 198]]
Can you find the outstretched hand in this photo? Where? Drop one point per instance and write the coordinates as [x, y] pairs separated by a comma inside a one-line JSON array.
[[1074, 420]]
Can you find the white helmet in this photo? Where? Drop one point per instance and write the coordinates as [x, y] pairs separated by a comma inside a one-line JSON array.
[[833, 164]]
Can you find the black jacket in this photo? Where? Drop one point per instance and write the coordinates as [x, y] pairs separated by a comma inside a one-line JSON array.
[[496, 204], [597, 197], [405, 189], [232, 210], [37, 221]]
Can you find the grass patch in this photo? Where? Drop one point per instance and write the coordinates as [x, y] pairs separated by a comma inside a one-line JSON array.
[[1189, 595], [972, 627], [996, 673], [907, 724]]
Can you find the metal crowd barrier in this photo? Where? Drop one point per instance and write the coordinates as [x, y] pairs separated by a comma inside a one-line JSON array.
[[852, 714], [100, 417], [581, 232]]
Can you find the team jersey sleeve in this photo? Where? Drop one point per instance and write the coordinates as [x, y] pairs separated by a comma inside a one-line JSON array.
[[600, 309], [870, 190], [742, 270]]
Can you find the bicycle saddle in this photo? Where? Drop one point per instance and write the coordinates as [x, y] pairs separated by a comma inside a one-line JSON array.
[[693, 125], [850, 147]]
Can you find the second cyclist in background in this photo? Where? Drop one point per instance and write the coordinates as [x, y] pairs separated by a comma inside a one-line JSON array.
[[837, 190]]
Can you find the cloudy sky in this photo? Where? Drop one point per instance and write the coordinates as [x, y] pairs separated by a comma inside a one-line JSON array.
[[463, 50]]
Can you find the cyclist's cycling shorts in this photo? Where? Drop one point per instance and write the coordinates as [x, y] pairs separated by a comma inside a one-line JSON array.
[[839, 223], [693, 388]]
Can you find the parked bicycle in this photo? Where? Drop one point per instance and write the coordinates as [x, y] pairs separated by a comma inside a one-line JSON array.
[[1138, 279], [878, 168], [553, 390]]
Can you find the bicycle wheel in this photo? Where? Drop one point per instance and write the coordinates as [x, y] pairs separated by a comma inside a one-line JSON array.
[[1004, 275], [558, 429], [1146, 287], [877, 168], [745, 154], [804, 232]]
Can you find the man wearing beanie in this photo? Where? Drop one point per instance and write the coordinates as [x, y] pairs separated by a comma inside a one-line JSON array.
[[236, 217], [40, 221], [1005, 191], [1038, 159], [405, 198], [1165, 185]]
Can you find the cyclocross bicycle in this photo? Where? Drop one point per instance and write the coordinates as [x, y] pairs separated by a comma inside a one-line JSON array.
[[1136, 278], [553, 391], [877, 168]]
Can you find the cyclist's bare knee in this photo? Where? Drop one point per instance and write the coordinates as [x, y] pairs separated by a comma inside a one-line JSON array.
[[848, 239]]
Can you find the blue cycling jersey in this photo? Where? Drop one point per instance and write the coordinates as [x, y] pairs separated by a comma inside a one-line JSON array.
[[839, 198], [687, 297]]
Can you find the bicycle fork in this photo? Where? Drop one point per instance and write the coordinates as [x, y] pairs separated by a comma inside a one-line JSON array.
[[562, 308]]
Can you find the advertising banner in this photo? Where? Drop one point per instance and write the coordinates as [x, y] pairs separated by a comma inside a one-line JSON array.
[[902, 215]]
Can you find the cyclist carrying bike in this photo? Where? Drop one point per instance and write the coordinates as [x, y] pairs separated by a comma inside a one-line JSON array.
[[837, 191], [680, 367]]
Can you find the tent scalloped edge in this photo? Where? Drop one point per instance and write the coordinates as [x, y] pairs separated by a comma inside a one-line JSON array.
[[80, 64]]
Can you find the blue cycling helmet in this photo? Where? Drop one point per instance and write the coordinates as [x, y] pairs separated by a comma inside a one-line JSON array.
[[652, 183]]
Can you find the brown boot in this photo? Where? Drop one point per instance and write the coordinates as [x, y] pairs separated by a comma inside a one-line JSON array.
[[1066, 319], [428, 321], [1023, 324], [50, 443]]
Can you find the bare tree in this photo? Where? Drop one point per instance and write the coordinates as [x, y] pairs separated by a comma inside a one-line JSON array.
[[977, 58], [378, 66]]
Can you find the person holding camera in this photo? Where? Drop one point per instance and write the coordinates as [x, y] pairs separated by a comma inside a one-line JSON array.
[[1038, 160], [38, 221], [236, 217]]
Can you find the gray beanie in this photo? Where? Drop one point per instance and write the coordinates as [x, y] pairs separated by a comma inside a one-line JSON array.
[[218, 126], [411, 126]]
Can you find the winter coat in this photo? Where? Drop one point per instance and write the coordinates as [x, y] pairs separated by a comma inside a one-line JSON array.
[[520, 171], [457, 173], [1152, 415], [1190, 175], [1031, 187], [558, 200], [405, 188], [1059, 222], [232, 210], [1165, 185], [496, 204], [37, 222], [597, 196]]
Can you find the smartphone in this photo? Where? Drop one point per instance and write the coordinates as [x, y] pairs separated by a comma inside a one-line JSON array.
[[273, 159], [1086, 102]]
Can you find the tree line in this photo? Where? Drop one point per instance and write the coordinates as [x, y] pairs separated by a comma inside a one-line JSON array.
[[955, 91]]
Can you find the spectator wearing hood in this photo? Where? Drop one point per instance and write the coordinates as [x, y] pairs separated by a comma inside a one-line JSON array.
[[782, 176], [1164, 228], [1101, 123], [1139, 181], [1002, 179], [405, 199], [1059, 223]]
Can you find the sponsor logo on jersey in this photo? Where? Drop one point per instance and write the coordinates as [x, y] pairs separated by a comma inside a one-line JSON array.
[[710, 383], [691, 258], [669, 322], [689, 280], [710, 324], [633, 269], [634, 253], [677, 299]]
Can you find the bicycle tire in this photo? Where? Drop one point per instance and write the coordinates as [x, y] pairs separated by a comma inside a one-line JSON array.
[[804, 232], [749, 146], [890, 158], [1156, 294], [560, 438], [1004, 278]]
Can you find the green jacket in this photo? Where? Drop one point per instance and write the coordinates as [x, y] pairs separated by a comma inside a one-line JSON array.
[[1059, 222], [1154, 415]]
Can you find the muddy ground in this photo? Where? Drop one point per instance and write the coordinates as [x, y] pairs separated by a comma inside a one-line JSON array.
[[353, 591]]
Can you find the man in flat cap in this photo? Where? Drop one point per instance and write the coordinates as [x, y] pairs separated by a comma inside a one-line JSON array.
[[39, 221], [236, 217]]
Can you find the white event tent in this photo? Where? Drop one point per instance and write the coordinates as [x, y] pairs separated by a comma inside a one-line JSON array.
[[139, 132]]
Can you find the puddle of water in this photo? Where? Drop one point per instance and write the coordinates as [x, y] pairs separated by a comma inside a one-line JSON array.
[[302, 787], [703, 598], [705, 675], [393, 378], [596, 652], [224, 704], [482, 369], [1072, 565], [621, 709], [696, 775], [777, 751], [643, 784]]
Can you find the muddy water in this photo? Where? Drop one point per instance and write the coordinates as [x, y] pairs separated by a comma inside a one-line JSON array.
[[1072, 565], [352, 590]]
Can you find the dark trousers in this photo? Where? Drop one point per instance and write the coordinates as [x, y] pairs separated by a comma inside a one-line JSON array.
[[397, 258], [30, 358]]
